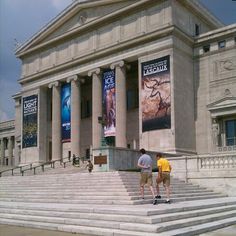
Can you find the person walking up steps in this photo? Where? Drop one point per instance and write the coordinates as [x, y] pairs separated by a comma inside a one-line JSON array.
[[164, 169], [145, 163], [89, 166]]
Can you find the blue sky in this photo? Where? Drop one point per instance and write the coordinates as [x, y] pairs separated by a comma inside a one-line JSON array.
[[20, 19]]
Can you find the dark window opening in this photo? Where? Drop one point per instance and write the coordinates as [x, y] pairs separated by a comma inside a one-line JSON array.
[[87, 154], [132, 99], [197, 30], [206, 48], [221, 44], [110, 141], [86, 108], [230, 130]]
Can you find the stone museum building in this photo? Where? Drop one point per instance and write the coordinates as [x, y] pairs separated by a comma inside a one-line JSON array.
[[122, 75]]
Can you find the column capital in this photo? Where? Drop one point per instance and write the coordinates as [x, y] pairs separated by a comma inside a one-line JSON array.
[[96, 71], [75, 78], [56, 84], [117, 64]]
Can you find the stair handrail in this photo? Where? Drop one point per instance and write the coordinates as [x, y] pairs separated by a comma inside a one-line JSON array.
[[17, 167], [42, 165]]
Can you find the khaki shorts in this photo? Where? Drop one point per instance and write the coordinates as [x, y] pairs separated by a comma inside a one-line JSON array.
[[146, 178], [165, 179]]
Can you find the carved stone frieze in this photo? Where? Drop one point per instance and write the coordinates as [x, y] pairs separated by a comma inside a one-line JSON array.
[[225, 65]]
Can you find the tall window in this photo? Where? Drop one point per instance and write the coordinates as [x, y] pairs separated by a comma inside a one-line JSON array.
[[197, 30], [230, 130]]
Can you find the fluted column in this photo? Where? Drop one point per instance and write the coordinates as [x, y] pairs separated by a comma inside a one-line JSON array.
[[75, 114], [56, 121], [120, 103], [10, 151], [96, 106], [2, 152]]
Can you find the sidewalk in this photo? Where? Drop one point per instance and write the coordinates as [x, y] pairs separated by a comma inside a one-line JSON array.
[[228, 231], [22, 231]]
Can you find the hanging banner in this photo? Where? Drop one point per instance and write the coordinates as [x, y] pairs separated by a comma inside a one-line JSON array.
[[109, 102], [156, 94], [65, 112], [30, 121]]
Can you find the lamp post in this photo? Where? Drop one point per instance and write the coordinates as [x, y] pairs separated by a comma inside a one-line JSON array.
[[102, 121]]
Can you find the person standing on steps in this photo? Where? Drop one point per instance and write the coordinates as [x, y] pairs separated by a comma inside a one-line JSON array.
[[164, 169], [89, 166], [145, 163]]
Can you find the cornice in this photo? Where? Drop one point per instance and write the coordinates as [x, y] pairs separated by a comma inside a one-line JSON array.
[[213, 35], [160, 33]]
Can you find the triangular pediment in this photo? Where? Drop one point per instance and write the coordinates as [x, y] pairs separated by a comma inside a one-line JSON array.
[[78, 14], [223, 103]]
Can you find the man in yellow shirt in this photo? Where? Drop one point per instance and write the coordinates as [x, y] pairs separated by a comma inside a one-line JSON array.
[[164, 169]]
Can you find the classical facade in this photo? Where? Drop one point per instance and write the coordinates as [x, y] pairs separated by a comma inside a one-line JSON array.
[[160, 75], [7, 143]]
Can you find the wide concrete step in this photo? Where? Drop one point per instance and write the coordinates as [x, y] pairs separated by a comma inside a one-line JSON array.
[[200, 229], [148, 200], [117, 217], [143, 210], [122, 231], [73, 229], [81, 182], [81, 201], [117, 200], [114, 191], [141, 227], [98, 186], [92, 195]]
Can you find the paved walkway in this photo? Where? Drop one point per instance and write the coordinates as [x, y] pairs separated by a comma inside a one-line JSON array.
[[8, 230], [228, 231], [22, 231]]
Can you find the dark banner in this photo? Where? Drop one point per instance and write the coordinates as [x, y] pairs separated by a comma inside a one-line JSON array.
[[156, 91], [109, 102], [65, 112], [30, 121]]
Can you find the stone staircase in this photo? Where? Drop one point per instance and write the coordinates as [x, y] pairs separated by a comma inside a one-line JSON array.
[[109, 204]]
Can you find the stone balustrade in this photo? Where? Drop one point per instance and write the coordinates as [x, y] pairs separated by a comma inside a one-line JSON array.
[[218, 162]]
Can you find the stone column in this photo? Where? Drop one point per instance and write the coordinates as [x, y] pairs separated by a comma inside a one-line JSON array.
[[10, 151], [75, 114], [2, 152], [121, 111], [97, 106], [56, 121]]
